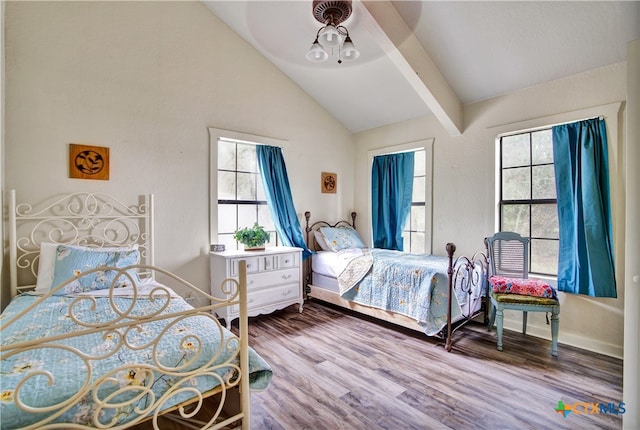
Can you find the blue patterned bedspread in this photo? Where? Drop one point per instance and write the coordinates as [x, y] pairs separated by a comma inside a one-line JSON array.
[[414, 285], [177, 354]]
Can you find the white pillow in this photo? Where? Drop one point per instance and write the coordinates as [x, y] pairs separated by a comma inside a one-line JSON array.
[[321, 241], [45, 267], [48, 261]]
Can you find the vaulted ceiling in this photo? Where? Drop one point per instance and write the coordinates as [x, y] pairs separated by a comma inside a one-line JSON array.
[[432, 57]]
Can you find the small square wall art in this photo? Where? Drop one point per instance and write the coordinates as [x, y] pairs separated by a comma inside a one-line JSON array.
[[88, 162]]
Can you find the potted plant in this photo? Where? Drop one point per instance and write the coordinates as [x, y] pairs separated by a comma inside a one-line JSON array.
[[252, 238]]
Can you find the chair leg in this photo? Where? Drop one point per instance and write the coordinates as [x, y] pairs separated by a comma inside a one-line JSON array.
[[492, 319], [499, 324], [555, 326], [524, 322]]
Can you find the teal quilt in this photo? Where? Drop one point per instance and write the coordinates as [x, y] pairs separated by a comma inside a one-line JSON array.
[[414, 285], [56, 381]]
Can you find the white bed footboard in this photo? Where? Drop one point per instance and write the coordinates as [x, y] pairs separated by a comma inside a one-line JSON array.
[[135, 355]]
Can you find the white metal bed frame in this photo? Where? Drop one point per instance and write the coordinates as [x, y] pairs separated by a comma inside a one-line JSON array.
[[99, 220]]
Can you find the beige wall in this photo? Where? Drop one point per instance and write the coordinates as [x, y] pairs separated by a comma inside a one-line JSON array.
[[147, 79], [464, 188]]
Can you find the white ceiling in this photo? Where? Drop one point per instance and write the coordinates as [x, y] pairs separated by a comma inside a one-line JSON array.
[[428, 57]]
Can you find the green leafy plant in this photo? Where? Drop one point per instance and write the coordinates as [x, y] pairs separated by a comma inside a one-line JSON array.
[[255, 236]]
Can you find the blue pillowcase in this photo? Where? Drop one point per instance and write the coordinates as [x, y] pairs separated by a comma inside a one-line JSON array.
[[72, 261], [339, 238]]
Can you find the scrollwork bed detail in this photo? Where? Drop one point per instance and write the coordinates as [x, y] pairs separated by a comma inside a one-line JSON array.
[[132, 355], [461, 295]]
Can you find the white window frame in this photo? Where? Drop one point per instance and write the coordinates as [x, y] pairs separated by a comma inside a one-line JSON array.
[[427, 146], [215, 134], [610, 112]]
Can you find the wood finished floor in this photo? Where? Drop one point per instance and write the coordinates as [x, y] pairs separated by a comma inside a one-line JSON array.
[[334, 370]]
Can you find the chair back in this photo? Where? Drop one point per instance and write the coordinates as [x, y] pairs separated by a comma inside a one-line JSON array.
[[508, 255]]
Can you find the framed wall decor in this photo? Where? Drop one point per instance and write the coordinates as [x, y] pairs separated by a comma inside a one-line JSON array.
[[329, 182], [88, 162]]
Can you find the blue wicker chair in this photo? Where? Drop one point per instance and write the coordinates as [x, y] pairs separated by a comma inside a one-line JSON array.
[[509, 257]]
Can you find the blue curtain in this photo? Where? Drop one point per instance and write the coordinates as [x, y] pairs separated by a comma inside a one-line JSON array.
[[391, 190], [585, 260], [276, 187]]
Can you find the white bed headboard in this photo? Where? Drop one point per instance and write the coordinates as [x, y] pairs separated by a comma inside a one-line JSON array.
[[89, 219]]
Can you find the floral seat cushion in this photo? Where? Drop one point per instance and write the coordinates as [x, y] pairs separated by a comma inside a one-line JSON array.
[[525, 287]]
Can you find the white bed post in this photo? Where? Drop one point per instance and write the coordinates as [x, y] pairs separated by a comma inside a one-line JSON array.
[[13, 251], [245, 395]]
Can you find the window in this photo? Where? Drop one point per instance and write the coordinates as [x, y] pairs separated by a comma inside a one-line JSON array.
[[414, 233], [240, 196], [417, 230], [527, 201]]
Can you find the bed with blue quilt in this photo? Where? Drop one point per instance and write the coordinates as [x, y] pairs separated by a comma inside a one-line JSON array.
[[430, 293], [100, 338]]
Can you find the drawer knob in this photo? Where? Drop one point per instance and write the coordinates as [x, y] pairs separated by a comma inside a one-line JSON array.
[[250, 282], [285, 293], [287, 276], [250, 301], [286, 261]]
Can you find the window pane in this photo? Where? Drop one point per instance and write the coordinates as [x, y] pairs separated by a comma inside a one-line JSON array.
[[226, 155], [226, 185], [226, 219], [544, 182], [516, 218], [247, 159], [516, 184], [246, 186], [264, 218], [417, 218], [544, 256], [417, 242], [406, 236], [515, 150], [418, 189], [419, 163], [260, 195], [247, 216], [542, 146], [239, 181], [228, 241], [544, 221], [527, 174]]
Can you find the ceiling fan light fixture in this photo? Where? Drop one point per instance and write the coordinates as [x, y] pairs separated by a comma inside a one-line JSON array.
[[316, 54], [332, 37], [349, 52], [329, 37]]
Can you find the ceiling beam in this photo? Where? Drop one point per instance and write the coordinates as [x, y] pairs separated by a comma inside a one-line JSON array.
[[397, 40]]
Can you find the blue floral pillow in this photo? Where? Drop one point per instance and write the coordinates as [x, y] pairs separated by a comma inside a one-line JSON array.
[[339, 238], [72, 261]]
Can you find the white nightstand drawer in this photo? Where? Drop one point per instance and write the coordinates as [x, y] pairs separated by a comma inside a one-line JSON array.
[[276, 277], [288, 260], [253, 265], [268, 297], [274, 295]]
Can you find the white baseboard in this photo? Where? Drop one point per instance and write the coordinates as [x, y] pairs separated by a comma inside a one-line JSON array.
[[565, 338]]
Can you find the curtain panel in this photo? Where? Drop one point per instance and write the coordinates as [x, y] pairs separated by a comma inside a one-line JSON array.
[[585, 259], [275, 181], [391, 195]]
